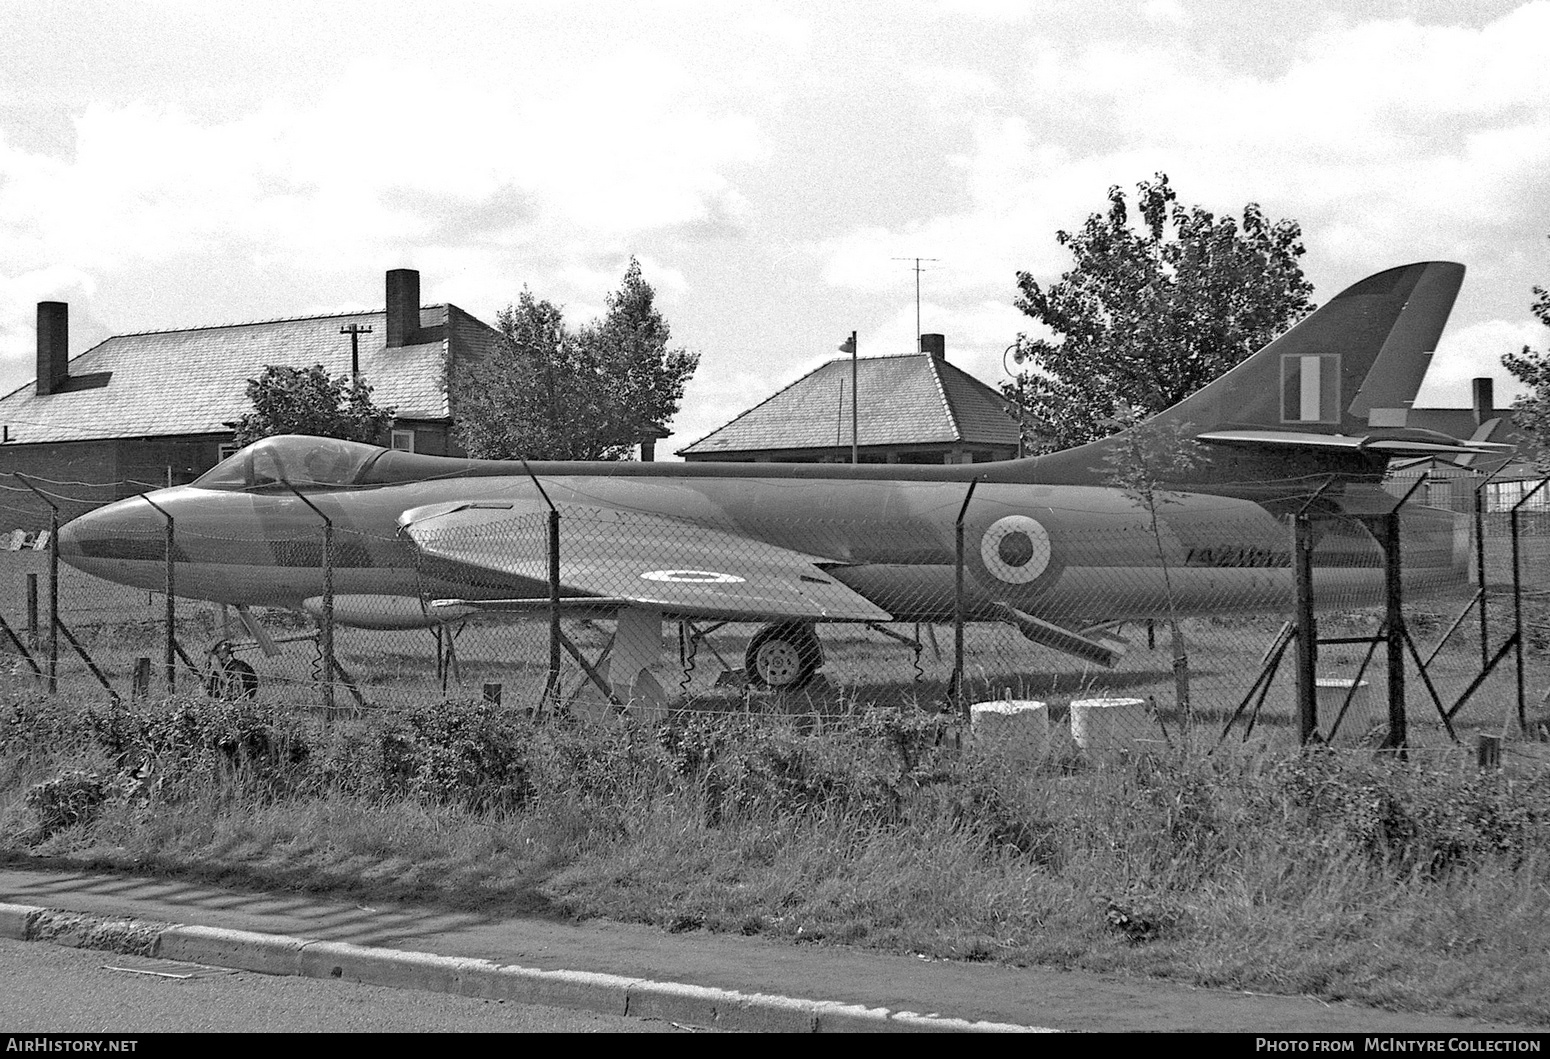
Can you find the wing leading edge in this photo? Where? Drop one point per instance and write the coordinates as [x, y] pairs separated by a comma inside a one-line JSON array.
[[677, 566]]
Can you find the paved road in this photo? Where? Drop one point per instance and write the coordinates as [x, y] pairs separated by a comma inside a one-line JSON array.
[[1062, 1000], [49, 989]]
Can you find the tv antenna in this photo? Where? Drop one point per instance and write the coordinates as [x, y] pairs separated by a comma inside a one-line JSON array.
[[917, 270]]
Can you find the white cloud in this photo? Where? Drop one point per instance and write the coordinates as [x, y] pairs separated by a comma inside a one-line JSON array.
[[1164, 12], [1388, 141], [1474, 351], [19, 297]]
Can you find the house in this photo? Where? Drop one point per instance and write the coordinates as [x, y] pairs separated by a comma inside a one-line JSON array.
[[1451, 482], [139, 411], [909, 409]]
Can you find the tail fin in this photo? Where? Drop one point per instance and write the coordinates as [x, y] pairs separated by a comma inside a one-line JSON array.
[[1331, 396], [1350, 368]]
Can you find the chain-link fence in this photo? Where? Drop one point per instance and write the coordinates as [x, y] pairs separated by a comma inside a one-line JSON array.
[[1127, 634]]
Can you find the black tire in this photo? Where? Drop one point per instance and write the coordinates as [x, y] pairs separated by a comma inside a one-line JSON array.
[[782, 657], [232, 682]]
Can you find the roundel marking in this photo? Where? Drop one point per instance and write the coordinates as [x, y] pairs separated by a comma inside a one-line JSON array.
[[1015, 549], [692, 577]]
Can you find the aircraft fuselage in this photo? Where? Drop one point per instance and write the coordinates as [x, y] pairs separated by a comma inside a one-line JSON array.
[[1068, 552]]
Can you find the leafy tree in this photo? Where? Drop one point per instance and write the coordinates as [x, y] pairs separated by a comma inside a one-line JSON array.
[[289, 400], [1151, 454], [549, 392], [1531, 411], [1145, 318]]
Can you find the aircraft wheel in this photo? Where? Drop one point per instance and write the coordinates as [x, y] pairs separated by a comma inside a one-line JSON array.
[[783, 656]]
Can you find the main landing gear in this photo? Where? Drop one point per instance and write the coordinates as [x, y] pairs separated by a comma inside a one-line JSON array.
[[783, 657]]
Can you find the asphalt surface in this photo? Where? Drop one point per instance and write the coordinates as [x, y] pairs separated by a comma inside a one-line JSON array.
[[49, 990], [732, 982]]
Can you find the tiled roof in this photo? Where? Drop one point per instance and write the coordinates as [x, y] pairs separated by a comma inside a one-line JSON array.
[[195, 381], [908, 400]]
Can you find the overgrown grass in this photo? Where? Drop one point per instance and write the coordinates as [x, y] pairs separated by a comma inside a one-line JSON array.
[[1409, 885]]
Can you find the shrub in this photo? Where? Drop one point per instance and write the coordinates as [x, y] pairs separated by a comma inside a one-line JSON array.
[[469, 753], [73, 797]]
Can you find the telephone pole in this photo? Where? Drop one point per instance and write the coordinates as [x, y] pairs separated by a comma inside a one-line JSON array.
[[355, 331]]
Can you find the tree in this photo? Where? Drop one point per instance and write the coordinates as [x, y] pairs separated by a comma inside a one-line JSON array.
[[1151, 454], [289, 400], [548, 392], [1531, 411], [1145, 318]]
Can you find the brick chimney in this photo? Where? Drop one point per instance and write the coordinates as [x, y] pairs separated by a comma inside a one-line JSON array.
[[1484, 399], [934, 345], [53, 346], [403, 307]]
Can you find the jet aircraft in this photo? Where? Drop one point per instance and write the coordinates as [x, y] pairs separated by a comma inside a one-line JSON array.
[[1051, 547]]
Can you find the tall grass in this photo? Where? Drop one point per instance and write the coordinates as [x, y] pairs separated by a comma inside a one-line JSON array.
[[1410, 885]]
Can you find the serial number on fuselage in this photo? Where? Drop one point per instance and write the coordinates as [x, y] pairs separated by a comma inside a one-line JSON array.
[[1237, 556]]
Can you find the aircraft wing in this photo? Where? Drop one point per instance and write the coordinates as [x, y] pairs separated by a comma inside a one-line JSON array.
[[627, 558]]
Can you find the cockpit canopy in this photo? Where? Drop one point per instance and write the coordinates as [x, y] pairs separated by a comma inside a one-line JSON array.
[[302, 460], [292, 458]]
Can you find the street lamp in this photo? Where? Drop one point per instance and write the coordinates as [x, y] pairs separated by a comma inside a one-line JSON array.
[[1016, 349]]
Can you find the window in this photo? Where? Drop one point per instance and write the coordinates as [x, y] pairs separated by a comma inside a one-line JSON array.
[[403, 440]]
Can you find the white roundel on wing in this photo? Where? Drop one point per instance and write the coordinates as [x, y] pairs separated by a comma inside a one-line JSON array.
[[1015, 549], [692, 577]]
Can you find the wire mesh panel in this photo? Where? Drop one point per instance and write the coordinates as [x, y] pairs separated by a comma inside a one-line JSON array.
[[1173, 624]]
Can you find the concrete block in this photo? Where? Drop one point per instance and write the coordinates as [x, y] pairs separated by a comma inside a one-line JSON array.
[[831, 1017], [17, 920], [241, 949], [764, 1013], [676, 1002], [1016, 730], [389, 967], [588, 990]]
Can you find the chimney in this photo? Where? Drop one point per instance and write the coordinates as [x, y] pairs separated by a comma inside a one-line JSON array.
[[650, 434], [53, 346], [934, 345], [1484, 400], [403, 307]]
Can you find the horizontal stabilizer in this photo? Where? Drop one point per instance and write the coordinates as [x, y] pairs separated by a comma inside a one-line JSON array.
[[1396, 443], [1058, 638]]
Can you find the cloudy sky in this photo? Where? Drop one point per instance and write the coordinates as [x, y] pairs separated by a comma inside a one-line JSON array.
[[168, 164]]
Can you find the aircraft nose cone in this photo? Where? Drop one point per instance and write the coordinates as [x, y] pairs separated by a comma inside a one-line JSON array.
[[100, 541]]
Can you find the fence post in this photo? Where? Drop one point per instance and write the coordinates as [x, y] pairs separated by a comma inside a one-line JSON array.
[[1517, 598], [327, 624], [552, 684], [1395, 620], [53, 583], [169, 656], [32, 611], [1307, 629], [1485, 649], [956, 687], [140, 682]]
